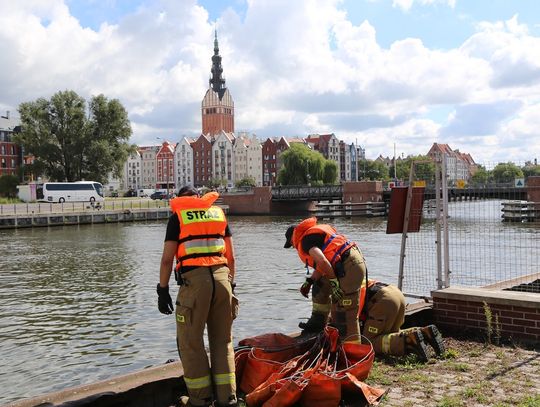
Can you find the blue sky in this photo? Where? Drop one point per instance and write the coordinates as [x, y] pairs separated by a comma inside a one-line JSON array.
[[383, 72]]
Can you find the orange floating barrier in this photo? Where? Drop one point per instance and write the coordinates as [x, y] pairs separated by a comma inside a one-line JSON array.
[[281, 371]]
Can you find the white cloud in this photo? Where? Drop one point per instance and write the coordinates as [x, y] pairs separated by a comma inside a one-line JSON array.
[[406, 5], [291, 67]]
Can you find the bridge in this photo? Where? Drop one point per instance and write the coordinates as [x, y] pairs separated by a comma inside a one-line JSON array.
[[307, 193], [335, 192]]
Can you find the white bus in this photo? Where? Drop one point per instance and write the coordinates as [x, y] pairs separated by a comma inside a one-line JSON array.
[[80, 191]]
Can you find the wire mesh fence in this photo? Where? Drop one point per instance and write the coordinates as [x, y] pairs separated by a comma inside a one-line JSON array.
[[493, 237]]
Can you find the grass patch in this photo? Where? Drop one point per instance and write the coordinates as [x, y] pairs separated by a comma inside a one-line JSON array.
[[452, 401], [530, 401], [458, 367], [7, 201], [477, 392], [451, 354]]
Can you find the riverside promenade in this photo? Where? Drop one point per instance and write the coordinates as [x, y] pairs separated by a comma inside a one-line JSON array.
[[56, 214]]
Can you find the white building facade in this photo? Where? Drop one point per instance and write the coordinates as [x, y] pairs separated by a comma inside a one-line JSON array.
[[183, 163]]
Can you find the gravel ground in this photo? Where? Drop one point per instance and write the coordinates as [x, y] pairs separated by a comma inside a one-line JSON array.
[[469, 374]]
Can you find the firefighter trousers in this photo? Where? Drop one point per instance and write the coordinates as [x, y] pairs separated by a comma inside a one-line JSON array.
[[386, 314], [344, 313], [205, 300]]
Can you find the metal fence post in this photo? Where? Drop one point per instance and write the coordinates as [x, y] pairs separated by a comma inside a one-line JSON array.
[[445, 223], [438, 221]]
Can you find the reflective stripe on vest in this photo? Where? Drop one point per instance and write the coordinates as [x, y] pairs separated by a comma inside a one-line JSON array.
[[204, 246]]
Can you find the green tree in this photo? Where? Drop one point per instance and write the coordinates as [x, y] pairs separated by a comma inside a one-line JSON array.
[[301, 166], [246, 182], [424, 170], [71, 143], [8, 185], [481, 176], [330, 172], [506, 173], [530, 170], [372, 170]]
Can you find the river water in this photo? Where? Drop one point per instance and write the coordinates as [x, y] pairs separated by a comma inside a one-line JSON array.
[[78, 303]]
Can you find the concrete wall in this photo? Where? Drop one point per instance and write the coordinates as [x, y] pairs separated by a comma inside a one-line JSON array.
[[257, 201], [364, 191], [461, 310]]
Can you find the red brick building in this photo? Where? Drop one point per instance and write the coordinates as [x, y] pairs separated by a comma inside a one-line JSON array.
[[165, 167], [217, 107], [202, 160]]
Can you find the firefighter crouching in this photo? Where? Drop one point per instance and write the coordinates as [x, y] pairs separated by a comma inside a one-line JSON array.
[[199, 238], [382, 318], [339, 271]]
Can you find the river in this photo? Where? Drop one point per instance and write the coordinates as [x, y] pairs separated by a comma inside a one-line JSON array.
[[78, 303]]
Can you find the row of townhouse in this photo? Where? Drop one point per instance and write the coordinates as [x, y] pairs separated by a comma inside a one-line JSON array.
[[228, 158]]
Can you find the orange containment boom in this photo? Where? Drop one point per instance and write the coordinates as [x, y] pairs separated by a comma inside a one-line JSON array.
[[276, 370]]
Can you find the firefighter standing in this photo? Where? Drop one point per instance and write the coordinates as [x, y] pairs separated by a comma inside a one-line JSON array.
[[199, 237], [383, 316], [339, 272]]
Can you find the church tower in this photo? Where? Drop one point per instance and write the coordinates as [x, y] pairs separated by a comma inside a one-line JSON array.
[[217, 106]]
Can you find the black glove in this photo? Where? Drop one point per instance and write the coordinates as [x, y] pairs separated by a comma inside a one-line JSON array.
[[165, 304], [306, 287]]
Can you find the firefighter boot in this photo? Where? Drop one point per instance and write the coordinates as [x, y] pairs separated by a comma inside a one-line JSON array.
[[414, 343], [315, 323], [432, 336]]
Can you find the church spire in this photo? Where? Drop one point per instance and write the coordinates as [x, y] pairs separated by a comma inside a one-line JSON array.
[[217, 83]]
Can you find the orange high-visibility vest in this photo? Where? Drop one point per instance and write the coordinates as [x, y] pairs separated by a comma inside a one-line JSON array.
[[334, 243], [202, 231], [362, 313]]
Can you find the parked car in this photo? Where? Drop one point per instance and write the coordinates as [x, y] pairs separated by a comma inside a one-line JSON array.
[[159, 195]]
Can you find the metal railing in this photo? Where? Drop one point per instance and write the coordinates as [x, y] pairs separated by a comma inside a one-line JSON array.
[[67, 207]]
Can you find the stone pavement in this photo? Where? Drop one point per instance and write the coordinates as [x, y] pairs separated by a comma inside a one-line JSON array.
[[470, 374]]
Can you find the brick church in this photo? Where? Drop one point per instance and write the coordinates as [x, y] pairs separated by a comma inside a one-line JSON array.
[[217, 106]]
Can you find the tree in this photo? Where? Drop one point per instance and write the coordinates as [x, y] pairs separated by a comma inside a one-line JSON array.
[[373, 170], [301, 166], [71, 143], [330, 172], [481, 176], [246, 182], [506, 173], [424, 170], [8, 185], [530, 170]]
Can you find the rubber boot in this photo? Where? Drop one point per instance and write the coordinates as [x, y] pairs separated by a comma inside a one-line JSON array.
[[432, 336], [315, 323], [414, 343]]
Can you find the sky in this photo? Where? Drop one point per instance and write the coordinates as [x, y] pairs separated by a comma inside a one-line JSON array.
[[393, 76]]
